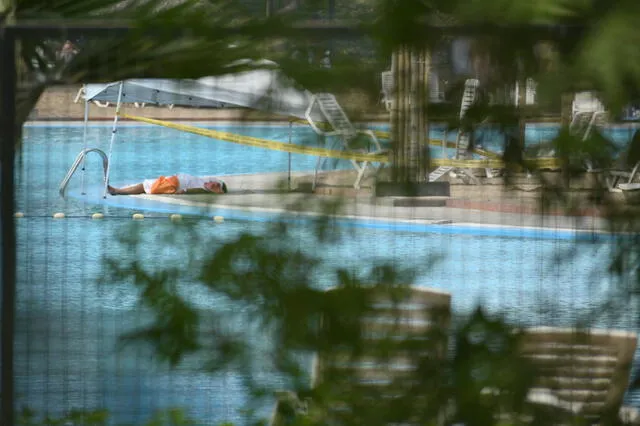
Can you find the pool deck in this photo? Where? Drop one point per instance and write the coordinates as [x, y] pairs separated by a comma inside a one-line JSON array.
[[491, 204], [468, 205]]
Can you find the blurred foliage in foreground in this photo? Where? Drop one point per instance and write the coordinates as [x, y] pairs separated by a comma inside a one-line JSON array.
[[168, 417], [469, 368], [482, 381]]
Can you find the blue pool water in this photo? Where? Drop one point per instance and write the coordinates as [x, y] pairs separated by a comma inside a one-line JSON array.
[[69, 322]]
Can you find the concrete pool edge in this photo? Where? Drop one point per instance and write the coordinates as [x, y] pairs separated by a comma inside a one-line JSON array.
[[442, 226], [266, 212]]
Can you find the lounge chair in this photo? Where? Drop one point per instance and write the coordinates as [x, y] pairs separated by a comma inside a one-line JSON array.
[[622, 179], [587, 113], [436, 93], [530, 92], [340, 127], [630, 192], [387, 89], [582, 372], [469, 97], [398, 330], [529, 95]]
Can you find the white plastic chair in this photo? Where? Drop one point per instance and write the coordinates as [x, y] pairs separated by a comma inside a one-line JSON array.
[[387, 89]]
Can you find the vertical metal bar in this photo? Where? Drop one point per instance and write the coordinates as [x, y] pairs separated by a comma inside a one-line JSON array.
[[319, 162], [114, 130], [394, 116], [84, 139], [7, 229], [413, 141], [445, 138], [289, 175]]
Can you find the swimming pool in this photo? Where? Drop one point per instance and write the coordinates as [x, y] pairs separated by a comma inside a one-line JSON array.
[[69, 323]]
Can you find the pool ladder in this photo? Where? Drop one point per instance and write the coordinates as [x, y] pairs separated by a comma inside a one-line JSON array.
[[76, 164]]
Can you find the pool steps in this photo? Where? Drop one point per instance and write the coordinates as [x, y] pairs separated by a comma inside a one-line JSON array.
[[80, 161]]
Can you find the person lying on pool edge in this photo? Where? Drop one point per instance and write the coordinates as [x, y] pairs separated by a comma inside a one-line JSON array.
[[180, 183]]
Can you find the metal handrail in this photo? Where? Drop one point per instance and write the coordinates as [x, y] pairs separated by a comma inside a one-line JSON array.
[[76, 164]]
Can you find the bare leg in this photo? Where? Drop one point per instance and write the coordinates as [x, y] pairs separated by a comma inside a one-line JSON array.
[[128, 190]]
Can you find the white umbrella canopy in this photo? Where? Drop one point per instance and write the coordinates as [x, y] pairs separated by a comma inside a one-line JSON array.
[[264, 89]]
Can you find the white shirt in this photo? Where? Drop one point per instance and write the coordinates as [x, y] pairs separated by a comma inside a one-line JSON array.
[[185, 182]]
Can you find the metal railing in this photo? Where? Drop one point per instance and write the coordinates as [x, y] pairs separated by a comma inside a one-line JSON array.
[[80, 160]]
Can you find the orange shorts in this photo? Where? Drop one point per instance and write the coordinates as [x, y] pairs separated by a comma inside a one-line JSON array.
[[165, 185]]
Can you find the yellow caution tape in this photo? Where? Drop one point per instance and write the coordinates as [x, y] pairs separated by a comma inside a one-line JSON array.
[[267, 144], [434, 142], [540, 163], [492, 163], [438, 142]]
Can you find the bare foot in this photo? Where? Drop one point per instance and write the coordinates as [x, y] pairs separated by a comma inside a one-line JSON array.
[[112, 190]]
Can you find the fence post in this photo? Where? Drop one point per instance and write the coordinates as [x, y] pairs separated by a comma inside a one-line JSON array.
[[289, 169], [7, 225]]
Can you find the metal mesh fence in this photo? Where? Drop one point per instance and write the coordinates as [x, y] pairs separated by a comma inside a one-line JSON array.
[[72, 310]]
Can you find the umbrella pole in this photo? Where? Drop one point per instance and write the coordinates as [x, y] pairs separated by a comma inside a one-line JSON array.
[[289, 174], [113, 138], [84, 139]]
